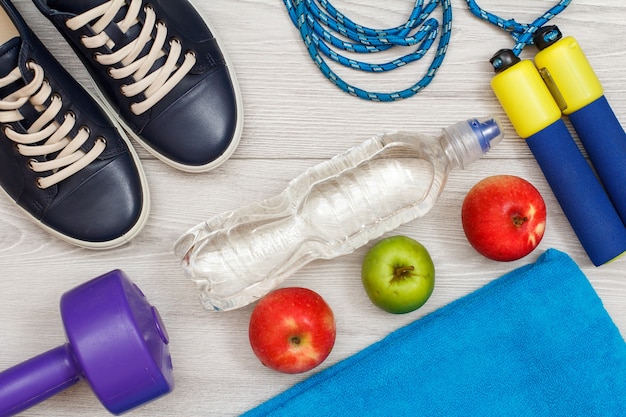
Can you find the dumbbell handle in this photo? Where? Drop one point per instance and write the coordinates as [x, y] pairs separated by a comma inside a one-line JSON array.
[[36, 379]]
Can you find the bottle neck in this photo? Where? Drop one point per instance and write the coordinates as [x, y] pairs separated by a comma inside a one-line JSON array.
[[465, 142], [450, 151]]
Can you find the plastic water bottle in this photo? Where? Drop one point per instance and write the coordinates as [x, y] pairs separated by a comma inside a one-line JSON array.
[[330, 210]]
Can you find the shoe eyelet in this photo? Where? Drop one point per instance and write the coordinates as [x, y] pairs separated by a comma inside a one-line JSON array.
[[38, 182], [160, 23], [96, 56], [101, 139], [86, 129], [70, 114], [192, 53], [31, 163], [30, 63]]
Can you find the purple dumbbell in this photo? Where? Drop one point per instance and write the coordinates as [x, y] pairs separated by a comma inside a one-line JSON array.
[[116, 341]]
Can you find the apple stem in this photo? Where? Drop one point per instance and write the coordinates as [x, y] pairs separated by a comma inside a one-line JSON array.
[[519, 220], [403, 270]]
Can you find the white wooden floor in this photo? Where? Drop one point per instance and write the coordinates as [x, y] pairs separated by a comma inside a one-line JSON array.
[[295, 118]]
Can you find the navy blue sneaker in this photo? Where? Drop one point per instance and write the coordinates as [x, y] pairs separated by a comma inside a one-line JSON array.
[[62, 160], [162, 71]]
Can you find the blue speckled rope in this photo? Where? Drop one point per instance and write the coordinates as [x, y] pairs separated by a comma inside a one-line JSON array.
[[521, 33], [323, 28], [318, 21]]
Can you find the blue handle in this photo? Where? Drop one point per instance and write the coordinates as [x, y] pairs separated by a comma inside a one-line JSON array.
[[580, 194], [35, 380], [605, 142]]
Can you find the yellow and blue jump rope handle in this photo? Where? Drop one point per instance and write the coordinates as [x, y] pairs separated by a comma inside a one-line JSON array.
[[537, 118], [580, 96]]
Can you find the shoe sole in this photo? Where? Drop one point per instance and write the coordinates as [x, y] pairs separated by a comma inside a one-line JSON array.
[[182, 167]]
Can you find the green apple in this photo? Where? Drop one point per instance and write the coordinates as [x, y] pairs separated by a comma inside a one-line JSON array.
[[398, 274]]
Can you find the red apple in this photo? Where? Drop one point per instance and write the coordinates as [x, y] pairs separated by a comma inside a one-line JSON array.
[[292, 330], [504, 217]]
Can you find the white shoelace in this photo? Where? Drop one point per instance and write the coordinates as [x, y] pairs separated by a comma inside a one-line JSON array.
[[158, 83], [46, 136]]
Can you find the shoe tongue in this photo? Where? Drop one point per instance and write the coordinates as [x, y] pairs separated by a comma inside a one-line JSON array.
[[9, 54], [74, 6], [9, 60], [80, 6], [77, 7]]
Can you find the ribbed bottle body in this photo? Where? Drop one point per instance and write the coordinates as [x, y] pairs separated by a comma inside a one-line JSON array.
[[330, 210]]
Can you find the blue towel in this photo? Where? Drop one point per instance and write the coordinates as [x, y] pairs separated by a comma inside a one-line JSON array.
[[535, 342]]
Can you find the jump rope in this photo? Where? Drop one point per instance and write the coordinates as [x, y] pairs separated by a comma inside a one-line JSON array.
[[535, 95]]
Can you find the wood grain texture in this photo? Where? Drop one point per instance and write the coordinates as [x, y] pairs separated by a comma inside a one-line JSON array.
[[294, 118]]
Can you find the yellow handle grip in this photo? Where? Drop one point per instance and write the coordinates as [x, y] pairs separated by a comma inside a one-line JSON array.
[[525, 98], [569, 75]]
